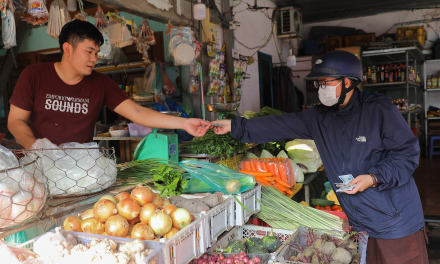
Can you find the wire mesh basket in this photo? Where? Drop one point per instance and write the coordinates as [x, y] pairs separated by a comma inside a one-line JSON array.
[[23, 189], [77, 171]]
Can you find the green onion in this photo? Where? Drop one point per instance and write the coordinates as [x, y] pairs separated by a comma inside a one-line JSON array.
[[142, 171], [282, 212]]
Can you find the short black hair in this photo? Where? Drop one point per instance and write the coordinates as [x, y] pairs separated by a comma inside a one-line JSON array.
[[78, 30]]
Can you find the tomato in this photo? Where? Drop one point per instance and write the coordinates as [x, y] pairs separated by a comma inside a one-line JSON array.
[[328, 208], [318, 207], [336, 208]]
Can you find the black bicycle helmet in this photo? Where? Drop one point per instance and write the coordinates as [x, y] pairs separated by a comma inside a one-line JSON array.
[[337, 63]]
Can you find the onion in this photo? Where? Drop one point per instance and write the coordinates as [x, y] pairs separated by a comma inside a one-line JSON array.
[[121, 196], [103, 209], [180, 217], [72, 223], [171, 233], [92, 225], [161, 223], [233, 186], [116, 225], [169, 208], [146, 212], [157, 200], [109, 197], [142, 231], [165, 201], [134, 220], [142, 195], [86, 214], [128, 208]]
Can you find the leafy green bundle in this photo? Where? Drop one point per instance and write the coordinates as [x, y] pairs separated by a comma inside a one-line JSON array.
[[214, 145]]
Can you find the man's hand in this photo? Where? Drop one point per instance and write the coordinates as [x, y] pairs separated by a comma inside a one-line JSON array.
[[221, 127], [362, 182], [196, 126]]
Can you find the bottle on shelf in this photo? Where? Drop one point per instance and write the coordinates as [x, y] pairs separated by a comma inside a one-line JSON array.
[[382, 73], [391, 73], [364, 76], [373, 74], [386, 74], [369, 74], [402, 72]]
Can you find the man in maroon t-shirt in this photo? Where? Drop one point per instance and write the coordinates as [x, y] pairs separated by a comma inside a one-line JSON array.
[[62, 101]]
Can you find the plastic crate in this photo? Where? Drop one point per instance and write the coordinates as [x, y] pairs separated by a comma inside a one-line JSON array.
[[249, 200], [189, 243], [300, 238], [248, 231], [220, 219], [155, 257]]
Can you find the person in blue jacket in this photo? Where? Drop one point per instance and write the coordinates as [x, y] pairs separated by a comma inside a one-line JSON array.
[[364, 135]]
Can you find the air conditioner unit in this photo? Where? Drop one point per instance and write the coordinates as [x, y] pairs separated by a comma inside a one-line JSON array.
[[289, 23]]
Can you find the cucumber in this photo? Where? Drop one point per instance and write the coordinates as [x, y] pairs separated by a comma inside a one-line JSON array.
[[322, 202]]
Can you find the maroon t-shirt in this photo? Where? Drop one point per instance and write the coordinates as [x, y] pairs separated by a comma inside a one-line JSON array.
[[61, 112]]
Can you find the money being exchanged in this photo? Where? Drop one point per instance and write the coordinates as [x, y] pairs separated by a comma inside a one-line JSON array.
[[345, 185]]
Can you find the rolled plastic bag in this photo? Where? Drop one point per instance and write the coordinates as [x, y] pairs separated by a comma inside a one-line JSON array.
[[211, 177]]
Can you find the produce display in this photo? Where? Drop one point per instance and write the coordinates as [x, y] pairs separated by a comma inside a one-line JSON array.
[[221, 259], [281, 212], [312, 246], [23, 190], [214, 145], [141, 214], [63, 247]]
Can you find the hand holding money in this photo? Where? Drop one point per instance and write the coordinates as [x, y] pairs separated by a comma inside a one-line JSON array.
[[358, 184]]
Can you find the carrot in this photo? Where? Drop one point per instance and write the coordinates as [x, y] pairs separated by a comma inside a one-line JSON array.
[[283, 172], [282, 183], [276, 172], [257, 165]]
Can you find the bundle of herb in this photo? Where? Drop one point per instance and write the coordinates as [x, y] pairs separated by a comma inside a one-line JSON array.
[[169, 181], [142, 171], [214, 145]]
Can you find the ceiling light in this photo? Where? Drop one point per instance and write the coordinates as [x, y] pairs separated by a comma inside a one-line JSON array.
[[291, 59]]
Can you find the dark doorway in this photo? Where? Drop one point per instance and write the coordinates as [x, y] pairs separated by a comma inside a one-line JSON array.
[[265, 79]]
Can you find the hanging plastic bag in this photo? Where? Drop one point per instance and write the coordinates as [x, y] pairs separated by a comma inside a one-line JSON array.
[[211, 177], [8, 29], [168, 86], [159, 96]]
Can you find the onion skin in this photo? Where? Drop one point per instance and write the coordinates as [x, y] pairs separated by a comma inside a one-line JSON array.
[[103, 209], [181, 218], [142, 231], [128, 208], [146, 212], [171, 233], [92, 225], [142, 195], [169, 208], [165, 201], [134, 221], [86, 214], [121, 196], [72, 223], [116, 225], [233, 186], [161, 223], [108, 197], [157, 200]]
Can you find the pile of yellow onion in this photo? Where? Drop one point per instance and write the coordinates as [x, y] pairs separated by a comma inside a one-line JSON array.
[[141, 214]]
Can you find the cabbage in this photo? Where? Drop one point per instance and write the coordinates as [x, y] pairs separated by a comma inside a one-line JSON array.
[[266, 155]]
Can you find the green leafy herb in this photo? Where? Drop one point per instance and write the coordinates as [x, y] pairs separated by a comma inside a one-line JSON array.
[[169, 181], [215, 145]]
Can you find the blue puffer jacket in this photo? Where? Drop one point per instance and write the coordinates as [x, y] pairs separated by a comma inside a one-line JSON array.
[[369, 135]]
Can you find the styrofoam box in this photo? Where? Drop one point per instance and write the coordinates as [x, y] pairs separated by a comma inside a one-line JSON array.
[[188, 244], [300, 237], [248, 231], [220, 219], [155, 257], [249, 200]]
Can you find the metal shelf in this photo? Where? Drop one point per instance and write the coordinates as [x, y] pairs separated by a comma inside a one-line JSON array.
[[393, 55], [122, 68], [388, 85]]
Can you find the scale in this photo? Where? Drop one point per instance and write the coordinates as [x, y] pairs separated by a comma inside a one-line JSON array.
[[159, 144], [222, 108]]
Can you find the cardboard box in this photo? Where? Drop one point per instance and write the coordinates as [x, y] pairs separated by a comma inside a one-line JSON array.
[[333, 43], [359, 40], [356, 50], [412, 33]]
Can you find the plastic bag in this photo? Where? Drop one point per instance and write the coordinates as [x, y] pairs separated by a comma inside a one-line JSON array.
[[211, 177], [280, 167]]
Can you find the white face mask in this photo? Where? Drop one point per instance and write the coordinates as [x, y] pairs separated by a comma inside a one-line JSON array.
[[327, 95]]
